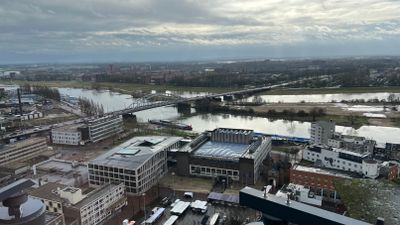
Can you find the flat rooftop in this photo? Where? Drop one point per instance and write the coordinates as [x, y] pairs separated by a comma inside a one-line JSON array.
[[23, 143], [93, 195], [134, 152], [324, 171], [223, 150], [69, 128], [62, 171], [47, 191]]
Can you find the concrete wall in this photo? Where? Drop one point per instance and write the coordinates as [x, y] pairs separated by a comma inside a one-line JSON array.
[[246, 171], [182, 163]]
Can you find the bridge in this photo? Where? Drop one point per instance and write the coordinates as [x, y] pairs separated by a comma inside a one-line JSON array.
[[145, 103]]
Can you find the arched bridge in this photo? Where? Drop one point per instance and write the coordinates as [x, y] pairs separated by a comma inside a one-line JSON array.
[[165, 99]]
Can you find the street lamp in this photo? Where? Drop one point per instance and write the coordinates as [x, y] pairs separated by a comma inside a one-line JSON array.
[[144, 205], [173, 183]]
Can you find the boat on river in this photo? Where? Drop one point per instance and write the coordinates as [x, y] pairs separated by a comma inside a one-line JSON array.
[[171, 124]]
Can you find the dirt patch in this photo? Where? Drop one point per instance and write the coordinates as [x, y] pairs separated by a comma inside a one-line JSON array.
[[194, 184]]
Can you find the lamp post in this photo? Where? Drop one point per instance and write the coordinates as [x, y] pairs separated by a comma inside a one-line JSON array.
[[144, 205], [173, 183]]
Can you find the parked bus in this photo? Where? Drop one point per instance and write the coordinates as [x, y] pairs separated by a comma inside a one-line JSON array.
[[171, 220], [214, 219]]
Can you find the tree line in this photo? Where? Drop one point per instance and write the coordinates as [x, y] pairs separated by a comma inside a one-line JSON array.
[[89, 107], [44, 91]]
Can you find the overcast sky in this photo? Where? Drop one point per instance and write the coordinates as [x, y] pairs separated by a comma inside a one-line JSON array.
[[158, 30]]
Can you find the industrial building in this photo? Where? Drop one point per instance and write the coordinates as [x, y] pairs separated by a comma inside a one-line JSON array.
[[22, 150], [139, 163], [234, 154], [92, 208], [340, 159]]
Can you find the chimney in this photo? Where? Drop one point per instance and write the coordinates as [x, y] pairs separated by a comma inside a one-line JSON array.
[[19, 102]]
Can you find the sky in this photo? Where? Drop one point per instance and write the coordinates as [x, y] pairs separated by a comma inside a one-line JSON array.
[[179, 30]]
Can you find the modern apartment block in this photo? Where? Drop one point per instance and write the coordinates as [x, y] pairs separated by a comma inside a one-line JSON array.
[[139, 163], [68, 135], [232, 154], [78, 208], [321, 131], [104, 127], [22, 150]]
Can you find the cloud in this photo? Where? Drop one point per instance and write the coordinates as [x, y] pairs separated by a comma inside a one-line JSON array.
[[63, 27]]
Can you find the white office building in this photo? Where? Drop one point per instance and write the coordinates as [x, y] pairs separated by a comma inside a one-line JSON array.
[[69, 135], [340, 159], [139, 163]]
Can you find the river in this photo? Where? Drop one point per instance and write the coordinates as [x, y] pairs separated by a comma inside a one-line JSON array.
[[285, 127], [114, 101]]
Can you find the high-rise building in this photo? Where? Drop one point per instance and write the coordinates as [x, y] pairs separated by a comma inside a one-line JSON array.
[[321, 132]]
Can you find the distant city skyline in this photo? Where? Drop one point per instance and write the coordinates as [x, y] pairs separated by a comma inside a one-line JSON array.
[[39, 31]]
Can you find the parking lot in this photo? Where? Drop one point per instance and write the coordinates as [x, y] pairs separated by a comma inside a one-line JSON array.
[[226, 211]]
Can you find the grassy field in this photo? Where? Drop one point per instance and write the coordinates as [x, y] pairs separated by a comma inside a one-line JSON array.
[[350, 90], [126, 88]]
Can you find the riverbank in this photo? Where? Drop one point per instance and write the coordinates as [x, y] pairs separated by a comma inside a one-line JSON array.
[[307, 112], [123, 88], [342, 114], [341, 90]]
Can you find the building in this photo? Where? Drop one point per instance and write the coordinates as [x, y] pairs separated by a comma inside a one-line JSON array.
[[78, 208], [48, 194], [319, 180], [352, 143], [340, 159], [321, 131], [234, 154], [104, 127], [69, 173], [22, 150], [139, 163], [68, 135]]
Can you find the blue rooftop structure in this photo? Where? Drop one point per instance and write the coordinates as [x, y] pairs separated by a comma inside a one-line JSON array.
[[221, 150]]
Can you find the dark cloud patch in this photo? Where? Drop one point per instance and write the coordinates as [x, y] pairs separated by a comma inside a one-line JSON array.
[[58, 28]]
